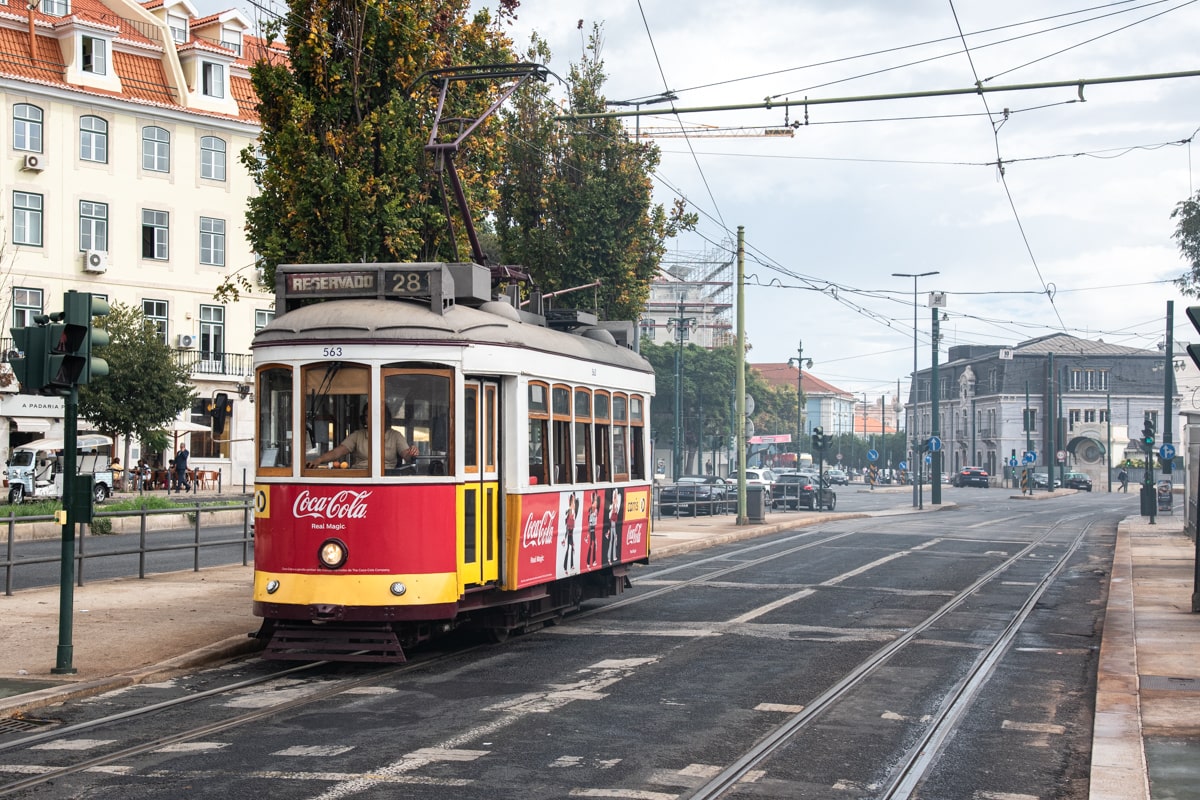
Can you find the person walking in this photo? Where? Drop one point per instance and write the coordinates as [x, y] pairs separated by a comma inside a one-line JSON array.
[[1123, 477], [181, 461]]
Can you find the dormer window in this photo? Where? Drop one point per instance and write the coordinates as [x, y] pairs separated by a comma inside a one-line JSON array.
[[56, 8], [213, 79], [94, 54], [179, 28], [232, 40]]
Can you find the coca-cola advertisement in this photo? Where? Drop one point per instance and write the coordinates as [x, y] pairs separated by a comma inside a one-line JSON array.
[[566, 533]]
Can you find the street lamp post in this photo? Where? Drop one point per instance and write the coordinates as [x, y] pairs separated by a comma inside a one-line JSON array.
[[915, 445], [681, 326], [799, 363]]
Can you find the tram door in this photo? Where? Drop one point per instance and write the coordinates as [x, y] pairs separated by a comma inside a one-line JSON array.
[[480, 551]]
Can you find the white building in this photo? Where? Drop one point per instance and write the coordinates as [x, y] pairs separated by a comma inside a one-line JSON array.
[[122, 127]]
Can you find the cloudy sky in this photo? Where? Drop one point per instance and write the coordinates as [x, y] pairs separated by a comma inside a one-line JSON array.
[[1073, 233]]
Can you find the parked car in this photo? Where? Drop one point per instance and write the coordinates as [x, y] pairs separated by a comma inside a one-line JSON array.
[[697, 494], [972, 476], [799, 489], [837, 477], [764, 477], [1077, 480], [1041, 481]]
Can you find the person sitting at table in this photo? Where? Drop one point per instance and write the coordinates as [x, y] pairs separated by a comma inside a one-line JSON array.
[[358, 445], [117, 471]]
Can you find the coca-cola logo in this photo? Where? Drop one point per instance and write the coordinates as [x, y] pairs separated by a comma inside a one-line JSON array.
[[634, 534], [538, 532], [345, 504]]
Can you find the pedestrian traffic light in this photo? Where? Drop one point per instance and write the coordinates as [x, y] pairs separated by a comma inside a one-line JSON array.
[[71, 342], [219, 409], [1148, 433], [28, 357]]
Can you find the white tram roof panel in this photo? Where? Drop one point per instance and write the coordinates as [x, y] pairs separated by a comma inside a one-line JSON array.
[[380, 321]]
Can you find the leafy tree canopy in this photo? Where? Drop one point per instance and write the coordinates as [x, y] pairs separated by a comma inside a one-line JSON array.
[[1187, 236]]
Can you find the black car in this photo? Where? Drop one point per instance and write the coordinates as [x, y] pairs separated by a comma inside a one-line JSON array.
[[798, 489], [1041, 481], [1077, 480], [971, 476], [697, 494]]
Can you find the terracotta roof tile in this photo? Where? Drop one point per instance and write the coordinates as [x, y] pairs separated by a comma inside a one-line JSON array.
[[143, 79]]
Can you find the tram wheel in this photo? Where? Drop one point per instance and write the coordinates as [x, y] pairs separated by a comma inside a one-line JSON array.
[[497, 635]]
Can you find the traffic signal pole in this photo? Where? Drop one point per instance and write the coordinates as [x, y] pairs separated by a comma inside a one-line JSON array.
[[66, 589]]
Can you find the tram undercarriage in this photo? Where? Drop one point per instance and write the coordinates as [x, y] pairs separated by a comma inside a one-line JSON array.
[[347, 633]]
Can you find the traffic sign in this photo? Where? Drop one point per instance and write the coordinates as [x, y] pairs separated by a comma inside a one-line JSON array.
[[1061, 455], [935, 444], [1166, 452], [902, 465], [928, 459], [1030, 456], [1012, 462], [872, 455]]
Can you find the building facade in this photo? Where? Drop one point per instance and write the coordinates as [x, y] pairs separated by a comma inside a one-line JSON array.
[[1055, 394], [123, 125]]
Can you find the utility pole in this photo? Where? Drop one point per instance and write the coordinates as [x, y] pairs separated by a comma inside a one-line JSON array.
[[915, 467], [799, 362], [740, 380], [681, 326]]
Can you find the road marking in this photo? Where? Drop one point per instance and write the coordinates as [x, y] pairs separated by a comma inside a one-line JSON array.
[[981, 795], [625, 794], [992, 522], [1032, 727], [192, 747], [784, 707], [73, 744], [371, 690], [313, 750]]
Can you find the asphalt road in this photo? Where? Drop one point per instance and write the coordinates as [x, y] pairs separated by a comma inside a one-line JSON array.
[[846, 644]]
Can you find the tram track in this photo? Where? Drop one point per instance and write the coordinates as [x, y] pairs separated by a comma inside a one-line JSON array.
[[919, 758]]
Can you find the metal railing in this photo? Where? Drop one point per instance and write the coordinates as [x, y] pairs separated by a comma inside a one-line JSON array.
[[685, 500], [195, 513]]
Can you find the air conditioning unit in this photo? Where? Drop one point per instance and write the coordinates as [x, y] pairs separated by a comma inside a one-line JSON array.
[[34, 162], [95, 261], [187, 341]]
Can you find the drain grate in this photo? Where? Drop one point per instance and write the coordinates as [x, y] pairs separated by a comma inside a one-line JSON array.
[[1169, 683], [24, 724]]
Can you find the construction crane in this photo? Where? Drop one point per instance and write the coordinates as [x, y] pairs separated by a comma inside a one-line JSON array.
[[713, 131]]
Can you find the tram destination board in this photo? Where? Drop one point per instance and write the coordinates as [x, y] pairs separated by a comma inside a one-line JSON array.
[[298, 283]]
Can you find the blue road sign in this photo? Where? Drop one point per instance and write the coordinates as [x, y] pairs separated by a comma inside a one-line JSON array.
[[902, 465], [1012, 461], [872, 455], [935, 444], [928, 459], [1166, 452], [1030, 456]]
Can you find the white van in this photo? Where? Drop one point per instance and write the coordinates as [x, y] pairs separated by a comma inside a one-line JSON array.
[[35, 469]]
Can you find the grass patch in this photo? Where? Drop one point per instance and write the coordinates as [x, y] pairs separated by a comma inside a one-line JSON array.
[[147, 502]]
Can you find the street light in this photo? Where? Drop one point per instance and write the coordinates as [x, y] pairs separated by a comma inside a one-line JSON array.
[[681, 326], [915, 450], [799, 363]]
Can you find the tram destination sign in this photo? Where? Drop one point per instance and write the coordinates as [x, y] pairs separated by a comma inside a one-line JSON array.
[[298, 283]]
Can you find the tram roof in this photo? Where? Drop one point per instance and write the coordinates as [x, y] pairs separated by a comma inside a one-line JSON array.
[[376, 321]]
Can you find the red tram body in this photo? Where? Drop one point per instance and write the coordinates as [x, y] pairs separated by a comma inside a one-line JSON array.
[[529, 491]]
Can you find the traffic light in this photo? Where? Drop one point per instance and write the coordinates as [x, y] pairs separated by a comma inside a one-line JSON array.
[[818, 439], [220, 408], [71, 342], [28, 358], [1148, 433]]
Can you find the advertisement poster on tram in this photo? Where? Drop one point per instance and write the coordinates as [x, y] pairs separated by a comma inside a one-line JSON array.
[[566, 533]]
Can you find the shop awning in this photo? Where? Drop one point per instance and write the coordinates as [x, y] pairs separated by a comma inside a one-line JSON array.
[[32, 424]]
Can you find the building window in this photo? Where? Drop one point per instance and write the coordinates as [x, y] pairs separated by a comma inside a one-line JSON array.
[[993, 381], [27, 128], [155, 311], [27, 219], [179, 28], [212, 158], [95, 55], [1089, 415], [1104, 415], [93, 139], [213, 79], [648, 329], [232, 40], [262, 318], [93, 225], [156, 149], [1073, 417], [154, 234], [1076, 380], [56, 8], [212, 241], [1101, 380], [27, 304], [212, 333], [1031, 420]]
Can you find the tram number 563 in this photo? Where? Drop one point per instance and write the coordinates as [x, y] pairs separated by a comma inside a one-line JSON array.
[[331, 352]]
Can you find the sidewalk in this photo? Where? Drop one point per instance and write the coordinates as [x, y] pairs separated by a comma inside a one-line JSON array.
[[1147, 727]]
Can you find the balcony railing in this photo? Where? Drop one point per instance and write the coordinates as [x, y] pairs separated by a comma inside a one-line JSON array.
[[198, 362]]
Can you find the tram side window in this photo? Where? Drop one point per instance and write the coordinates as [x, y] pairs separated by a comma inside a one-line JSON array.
[[274, 394], [336, 404], [418, 403], [539, 421], [560, 403], [637, 438], [619, 439], [603, 470], [583, 436]]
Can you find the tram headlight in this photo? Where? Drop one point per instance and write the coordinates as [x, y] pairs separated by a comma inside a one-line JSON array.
[[332, 553], [272, 586], [398, 588]]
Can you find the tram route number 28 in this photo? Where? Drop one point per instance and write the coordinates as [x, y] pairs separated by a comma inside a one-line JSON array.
[[407, 283]]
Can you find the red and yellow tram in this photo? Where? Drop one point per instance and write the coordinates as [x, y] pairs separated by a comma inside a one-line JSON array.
[[430, 458]]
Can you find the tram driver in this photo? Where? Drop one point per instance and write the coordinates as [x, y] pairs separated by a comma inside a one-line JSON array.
[[358, 446]]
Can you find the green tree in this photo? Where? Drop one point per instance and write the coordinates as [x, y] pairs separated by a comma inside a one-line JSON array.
[[576, 199], [1187, 236], [146, 387], [340, 165]]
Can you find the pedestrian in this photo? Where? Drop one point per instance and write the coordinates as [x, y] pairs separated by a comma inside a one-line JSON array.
[[181, 461], [1123, 477]]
